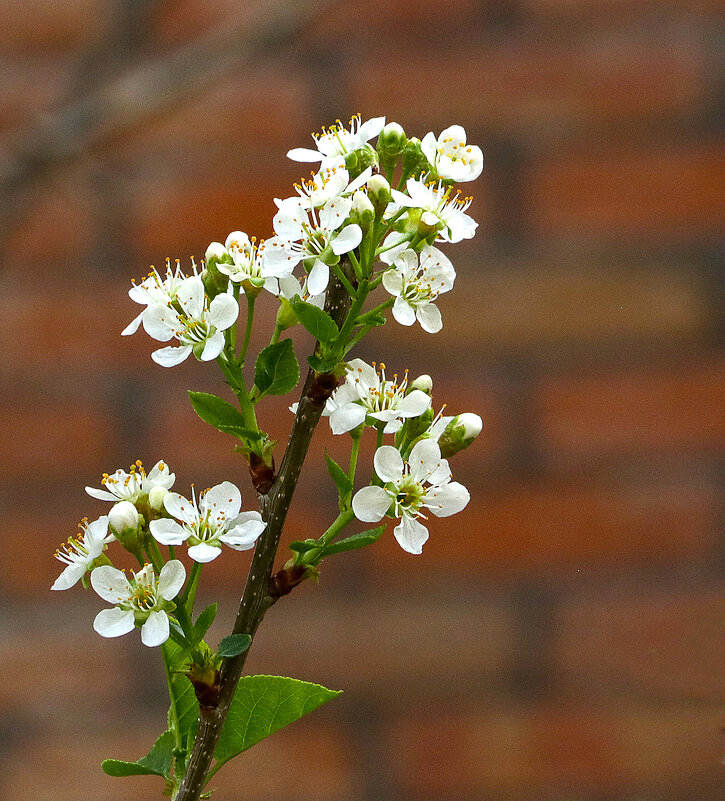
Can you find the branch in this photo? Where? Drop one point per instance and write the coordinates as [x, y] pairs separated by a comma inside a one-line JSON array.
[[274, 507]]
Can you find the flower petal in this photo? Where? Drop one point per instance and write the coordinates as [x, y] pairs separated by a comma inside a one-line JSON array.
[[402, 311], [429, 317], [171, 579], [160, 322], [413, 404], [171, 356], [370, 504], [213, 347], [223, 311], [345, 418], [388, 463], [101, 495], [181, 508], [155, 630], [411, 535], [349, 238], [203, 552], [447, 499], [110, 583], [224, 501], [69, 577], [114, 622], [424, 459], [132, 327], [168, 532], [304, 154], [318, 278]]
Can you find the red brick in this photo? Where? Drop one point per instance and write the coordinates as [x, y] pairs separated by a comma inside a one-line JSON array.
[[543, 89], [45, 25], [669, 646], [560, 747], [660, 193], [46, 440], [568, 299], [395, 651], [565, 528], [653, 410]]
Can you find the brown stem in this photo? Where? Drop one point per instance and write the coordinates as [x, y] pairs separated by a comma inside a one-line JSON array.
[[274, 506]]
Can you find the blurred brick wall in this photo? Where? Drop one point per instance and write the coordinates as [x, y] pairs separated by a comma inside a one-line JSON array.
[[560, 640]]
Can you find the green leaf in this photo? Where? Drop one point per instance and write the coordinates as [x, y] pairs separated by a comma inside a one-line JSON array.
[[261, 706], [339, 476], [316, 321], [234, 644], [185, 702], [322, 364], [276, 371], [156, 762], [356, 541], [300, 546], [205, 619], [215, 411]]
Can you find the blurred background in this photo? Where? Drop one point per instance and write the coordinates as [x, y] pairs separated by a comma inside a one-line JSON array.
[[560, 640]]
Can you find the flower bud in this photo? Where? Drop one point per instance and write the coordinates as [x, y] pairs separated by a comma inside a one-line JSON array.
[[156, 498], [424, 383], [356, 161], [362, 212], [215, 253], [379, 193], [414, 161], [286, 317], [123, 517], [391, 142], [459, 433]]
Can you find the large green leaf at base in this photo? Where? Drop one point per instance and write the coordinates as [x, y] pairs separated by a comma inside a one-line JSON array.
[[157, 762], [261, 706]]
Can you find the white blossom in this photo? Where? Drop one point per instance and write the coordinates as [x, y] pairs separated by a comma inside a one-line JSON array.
[[314, 235], [215, 519], [143, 599], [79, 553], [337, 140], [122, 486], [416, 286], [441, 209], [248, 262], [452, 158], [193, 321], [423, 482], [369, 393], [156, 290], [332, 180]]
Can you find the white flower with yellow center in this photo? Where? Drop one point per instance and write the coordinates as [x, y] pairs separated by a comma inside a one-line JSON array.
[[423, 482], [369, 393], [155, 289], [194, 321], [416, 285], [123, 486], [248, 262], [216, 519], [143, 600], [332, 180], [337, 140], [441, 209], [315, 236], [81, 551], [453, 159]]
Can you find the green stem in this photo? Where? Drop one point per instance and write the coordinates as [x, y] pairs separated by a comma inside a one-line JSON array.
[[376, 479], [278, 329], [355, 265], [231, 334], [154, 554], [235, 379], [379, 308], [248, 329], [355, 450], [341, 276], [186, 599], [357, 304], [174, 712]]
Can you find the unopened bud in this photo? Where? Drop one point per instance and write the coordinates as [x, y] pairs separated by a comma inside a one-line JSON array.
[[391, 142], [286, 317], [379, 193], [123, 517], [362, 212], [357, 161], [459, 433], [156, 498], [414, 161], [424, 383], [215, 253]]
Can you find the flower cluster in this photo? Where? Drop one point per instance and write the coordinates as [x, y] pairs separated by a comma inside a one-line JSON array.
[[146, 512], [346, 210]]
